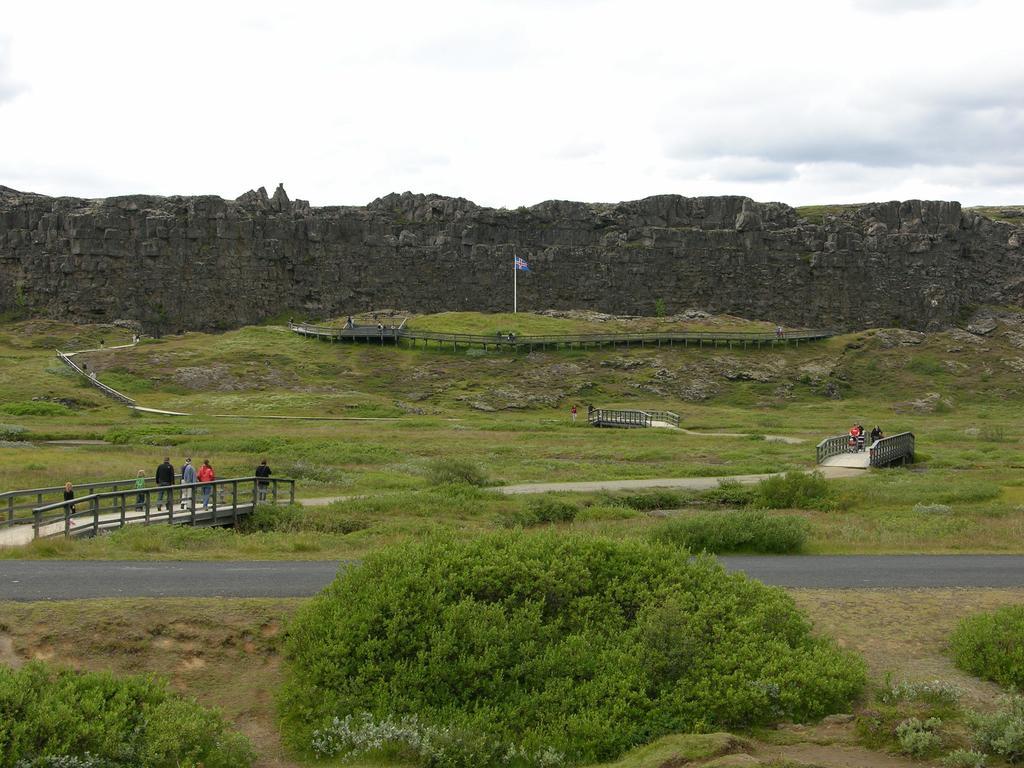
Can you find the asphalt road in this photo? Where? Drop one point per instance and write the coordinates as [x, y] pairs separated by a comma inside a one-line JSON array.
[[76, 580]]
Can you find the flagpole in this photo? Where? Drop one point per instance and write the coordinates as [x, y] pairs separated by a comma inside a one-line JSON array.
[[515, 285]]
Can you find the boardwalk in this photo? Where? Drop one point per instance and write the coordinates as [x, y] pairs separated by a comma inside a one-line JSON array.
[[895, 449], [391, 335]]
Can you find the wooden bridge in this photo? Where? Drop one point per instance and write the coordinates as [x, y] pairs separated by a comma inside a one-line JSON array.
[[612, 417], [40, 513], [396, 335], [897, 449]]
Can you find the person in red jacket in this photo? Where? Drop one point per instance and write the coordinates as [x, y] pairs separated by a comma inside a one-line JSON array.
[[206, 475]]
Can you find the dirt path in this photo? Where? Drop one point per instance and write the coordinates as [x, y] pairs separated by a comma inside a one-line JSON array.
[[684, 483]]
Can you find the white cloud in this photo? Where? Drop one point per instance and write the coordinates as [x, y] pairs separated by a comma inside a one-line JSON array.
[[511, 102]]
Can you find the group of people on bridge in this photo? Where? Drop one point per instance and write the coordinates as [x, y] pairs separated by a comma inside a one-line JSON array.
[[203, 477], [857, 437]]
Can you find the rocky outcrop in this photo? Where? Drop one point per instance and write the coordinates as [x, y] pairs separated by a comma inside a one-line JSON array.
[[176, 263]]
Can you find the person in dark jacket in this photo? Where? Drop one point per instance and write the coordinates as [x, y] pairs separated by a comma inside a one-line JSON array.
[[69, 495], [165, 477], [876, 434], [261, 485]]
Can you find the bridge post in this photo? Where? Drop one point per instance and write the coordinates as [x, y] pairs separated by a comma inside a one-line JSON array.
[[192, 506], [124, 510], [95, 516]]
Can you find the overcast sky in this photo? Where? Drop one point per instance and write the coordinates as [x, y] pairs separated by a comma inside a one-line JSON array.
[[511, 102]]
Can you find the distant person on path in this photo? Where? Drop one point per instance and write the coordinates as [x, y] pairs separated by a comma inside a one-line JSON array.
[[188, 475], [165, 477], [69, 495], [860, 437], [853, 438], [206, 475], [349, 323], [573, 412], [876, 434], [779, 332], [261, 485], [140, 484]]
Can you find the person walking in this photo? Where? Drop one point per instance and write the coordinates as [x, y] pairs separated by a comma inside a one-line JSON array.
[[262, 471], [572, 411], [860, 438], [206, 475], [876, 434], [69, 495], [140, 484], [188, 478], [164, 478]]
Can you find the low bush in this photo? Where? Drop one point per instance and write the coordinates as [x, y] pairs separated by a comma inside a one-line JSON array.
[[39, 408], [543, 649], [936, 693], [296, 519], [919, 738], [442, 471], [795, 490], [12, 432], [731, 493], [64, 719], [743, 531], [647, 502], [539, 512], [1001, 733], [964, 758], [991, 645]]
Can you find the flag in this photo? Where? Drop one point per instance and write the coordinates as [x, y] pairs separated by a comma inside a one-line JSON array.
[[521, 265]]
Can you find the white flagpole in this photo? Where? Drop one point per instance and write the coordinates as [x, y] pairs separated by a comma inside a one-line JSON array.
[[515, 285]]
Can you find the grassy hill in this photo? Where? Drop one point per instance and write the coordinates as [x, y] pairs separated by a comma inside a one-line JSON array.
[[507, 414]]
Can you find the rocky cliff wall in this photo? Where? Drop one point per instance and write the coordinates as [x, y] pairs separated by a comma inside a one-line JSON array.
[[178, 263]]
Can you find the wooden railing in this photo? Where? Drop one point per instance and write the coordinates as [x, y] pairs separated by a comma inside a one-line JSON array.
[[390, 334], [221, 502], [110, 392], [611, 417], [898, 448], [890, 450], [16, 506], [667, 417], [833, 446]]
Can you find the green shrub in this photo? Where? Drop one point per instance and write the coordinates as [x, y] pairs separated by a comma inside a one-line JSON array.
[[795, 490], [936, 693], [550, 648], [38, 408], [442, 471], [991, 645], [744, 531], [12, 432], [92, 720], [296, 519], [1001, 733], [540, 511], [731, 493], [964, 758], [919, 738], [647, 502]]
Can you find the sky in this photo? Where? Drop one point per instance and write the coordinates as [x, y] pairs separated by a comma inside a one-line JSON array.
[[512, 102]]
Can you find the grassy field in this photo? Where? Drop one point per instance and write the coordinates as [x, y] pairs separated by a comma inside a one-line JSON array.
[[396, 413]]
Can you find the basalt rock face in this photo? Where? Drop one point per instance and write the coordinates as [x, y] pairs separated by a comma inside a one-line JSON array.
[[177, 263]]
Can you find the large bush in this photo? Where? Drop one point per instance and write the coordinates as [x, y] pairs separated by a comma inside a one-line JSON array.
[[991, 645], [96, 719], [542, 649]]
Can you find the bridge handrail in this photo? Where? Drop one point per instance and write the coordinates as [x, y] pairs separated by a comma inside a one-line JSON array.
[[93, 504], [476, 338], [108, 391], [627, 416], [12, 505], [889, 449], [833, 446], [668, 417]]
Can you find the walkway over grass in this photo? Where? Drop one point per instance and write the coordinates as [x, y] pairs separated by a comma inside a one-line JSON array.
[[617, 417], [30, 514], [371, 334], [897, 449]]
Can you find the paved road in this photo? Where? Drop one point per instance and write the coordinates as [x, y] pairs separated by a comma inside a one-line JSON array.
[[71, 580]]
